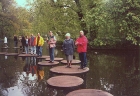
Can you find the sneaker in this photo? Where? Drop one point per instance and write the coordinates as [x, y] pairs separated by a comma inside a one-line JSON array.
[[80, 68], [84, 68], [50, 61], [67, 66]]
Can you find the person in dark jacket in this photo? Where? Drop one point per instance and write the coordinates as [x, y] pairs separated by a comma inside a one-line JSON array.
[[23, 42], [15, 41], [68, 48]]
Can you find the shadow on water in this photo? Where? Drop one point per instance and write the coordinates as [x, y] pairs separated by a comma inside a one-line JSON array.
[[116, 72]]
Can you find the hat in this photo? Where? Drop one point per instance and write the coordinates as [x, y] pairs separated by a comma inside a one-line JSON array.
[[68, 34]]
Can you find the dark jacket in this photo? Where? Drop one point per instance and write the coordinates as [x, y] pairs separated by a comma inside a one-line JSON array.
[[15, 38], [68, 47], [23, 41]]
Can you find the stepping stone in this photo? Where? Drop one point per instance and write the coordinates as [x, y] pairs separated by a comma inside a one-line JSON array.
[[68, 71], [3, 53], [12, 54], [5, 47], [89, 92], [16, 47], [46, 63], [65, 81], [27, 55], [73, 61], [55, 59], [43, 57]]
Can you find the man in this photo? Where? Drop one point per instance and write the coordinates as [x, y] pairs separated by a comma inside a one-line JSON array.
[[51, 42], [15, 41], [40, 43], [81, 44], [5, 41], [33, 43]]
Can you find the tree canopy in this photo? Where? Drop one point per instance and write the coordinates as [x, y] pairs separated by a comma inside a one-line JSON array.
[[105, 22]]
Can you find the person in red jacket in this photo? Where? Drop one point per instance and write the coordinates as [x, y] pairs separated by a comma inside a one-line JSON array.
[[81, 44]]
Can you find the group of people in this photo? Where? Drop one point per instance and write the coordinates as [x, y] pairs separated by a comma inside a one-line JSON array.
[[35, 44], [69, 47]]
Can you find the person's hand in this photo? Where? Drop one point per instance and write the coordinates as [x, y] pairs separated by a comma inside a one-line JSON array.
[[76, 43]]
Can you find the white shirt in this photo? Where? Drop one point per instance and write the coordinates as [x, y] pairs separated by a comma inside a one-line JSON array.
[[5, 39]]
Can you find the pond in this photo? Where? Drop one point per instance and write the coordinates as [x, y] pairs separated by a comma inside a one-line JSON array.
[[114, 71]]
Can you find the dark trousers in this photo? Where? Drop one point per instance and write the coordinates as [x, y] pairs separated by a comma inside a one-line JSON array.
[[51, 53], [83, 59], [16, 43], [39, 50]]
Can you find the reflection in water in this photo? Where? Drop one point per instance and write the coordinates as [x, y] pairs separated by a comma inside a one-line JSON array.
[[40, 73], [114, 71], [30, 68]]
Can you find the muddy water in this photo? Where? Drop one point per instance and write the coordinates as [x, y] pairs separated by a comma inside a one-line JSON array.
[[114, 71]]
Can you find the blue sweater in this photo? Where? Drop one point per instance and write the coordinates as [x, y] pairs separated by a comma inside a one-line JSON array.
[[68, 47]]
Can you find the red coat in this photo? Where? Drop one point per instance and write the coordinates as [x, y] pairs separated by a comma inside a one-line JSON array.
[[33, 43], [82, 44]]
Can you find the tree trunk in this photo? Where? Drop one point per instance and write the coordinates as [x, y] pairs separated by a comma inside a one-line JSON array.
[[81, 16]]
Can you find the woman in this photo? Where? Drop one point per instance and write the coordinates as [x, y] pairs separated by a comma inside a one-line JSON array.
[[5, 41], [15, 41], [51, 42], [68, 48], [26, 45], [23, 42]]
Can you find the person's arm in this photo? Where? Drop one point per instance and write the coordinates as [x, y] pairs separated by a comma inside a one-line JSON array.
[[76, 42], [84, 41], [73, 45], [63, 46], [42, 41]]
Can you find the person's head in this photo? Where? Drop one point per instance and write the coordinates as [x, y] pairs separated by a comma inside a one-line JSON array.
[[67, 35], [32, 35], [51, 33], [38, 34], [26, 37], [81, 33]]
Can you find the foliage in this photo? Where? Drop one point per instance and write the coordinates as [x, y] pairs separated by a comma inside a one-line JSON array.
[[13, 20], [105, 22]]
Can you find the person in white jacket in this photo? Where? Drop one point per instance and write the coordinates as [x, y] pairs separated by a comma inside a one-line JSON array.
[[5, 41]]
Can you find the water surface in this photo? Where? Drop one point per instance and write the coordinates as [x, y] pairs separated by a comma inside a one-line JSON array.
[[114, 71]]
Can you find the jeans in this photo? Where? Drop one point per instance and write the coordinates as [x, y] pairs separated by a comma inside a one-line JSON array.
[[26, 49], [51, 52], [39, 50], [83, 59], [15, 43], [33, 49]]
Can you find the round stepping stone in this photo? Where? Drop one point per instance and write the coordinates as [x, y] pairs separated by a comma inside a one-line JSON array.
[[12, 54], [73, 61], [65, 81], [46, 63], [27, 55], [55, 59], [5, 47], [16, 47], [43, 57], [89, 92], [3, 53], [68, 71]]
